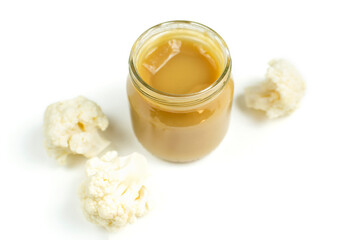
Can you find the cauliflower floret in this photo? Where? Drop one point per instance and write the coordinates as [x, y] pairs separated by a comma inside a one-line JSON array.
[[280, 93], [114, 193], [72, 127]]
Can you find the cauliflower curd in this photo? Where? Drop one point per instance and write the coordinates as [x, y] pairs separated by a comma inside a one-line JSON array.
[[72, 127], [114, 193], [280, 93]]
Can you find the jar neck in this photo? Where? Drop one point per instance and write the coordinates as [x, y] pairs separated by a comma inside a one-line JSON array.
[[191, 29]]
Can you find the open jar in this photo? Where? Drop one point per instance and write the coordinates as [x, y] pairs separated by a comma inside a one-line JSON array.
[[185, 126]]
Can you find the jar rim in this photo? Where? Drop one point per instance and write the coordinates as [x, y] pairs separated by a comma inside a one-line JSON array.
[[171, 98]]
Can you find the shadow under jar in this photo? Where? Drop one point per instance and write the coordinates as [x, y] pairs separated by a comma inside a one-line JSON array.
[[180, 90]]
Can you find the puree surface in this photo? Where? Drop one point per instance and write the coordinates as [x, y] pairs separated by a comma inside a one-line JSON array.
[[179, 66]]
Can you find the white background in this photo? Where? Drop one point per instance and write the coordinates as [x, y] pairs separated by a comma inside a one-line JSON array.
[[293, 178]]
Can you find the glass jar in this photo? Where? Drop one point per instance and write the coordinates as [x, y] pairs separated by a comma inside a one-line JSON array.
[[180, 127]]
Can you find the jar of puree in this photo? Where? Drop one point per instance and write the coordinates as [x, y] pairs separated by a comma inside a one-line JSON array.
[[180, 90]]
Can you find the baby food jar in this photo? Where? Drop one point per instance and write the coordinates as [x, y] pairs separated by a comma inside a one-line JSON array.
[[180, 127]]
